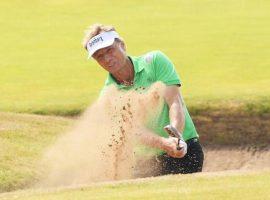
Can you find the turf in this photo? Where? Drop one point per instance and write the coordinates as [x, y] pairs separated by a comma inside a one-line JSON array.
[[22, 140], [220, 49], [241, 186]]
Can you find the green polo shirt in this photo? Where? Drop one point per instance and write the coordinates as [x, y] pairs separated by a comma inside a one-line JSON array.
[[151, 68]]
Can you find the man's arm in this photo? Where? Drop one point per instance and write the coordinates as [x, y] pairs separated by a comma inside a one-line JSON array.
[[176, 107], [175, 102], [168, 145], [177, 119]]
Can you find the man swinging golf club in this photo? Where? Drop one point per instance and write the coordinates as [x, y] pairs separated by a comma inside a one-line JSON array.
[[175, 134]]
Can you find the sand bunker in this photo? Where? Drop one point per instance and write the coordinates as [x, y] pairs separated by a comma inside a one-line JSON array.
[[101, 146], [220, 159]]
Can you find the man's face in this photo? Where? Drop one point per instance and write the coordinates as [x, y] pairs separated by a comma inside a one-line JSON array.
[[111, 58]]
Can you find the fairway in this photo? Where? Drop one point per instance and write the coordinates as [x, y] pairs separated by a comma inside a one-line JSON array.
[[206, 186], [220, 49]]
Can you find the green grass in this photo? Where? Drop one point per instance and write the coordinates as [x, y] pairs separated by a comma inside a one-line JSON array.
[[220, 49], [241, 186], [22, 140]]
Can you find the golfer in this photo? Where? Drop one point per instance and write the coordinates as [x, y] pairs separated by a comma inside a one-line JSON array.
[[180, 155]]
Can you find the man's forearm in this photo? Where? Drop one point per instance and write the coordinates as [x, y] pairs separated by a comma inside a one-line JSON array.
[[148, 138], [177, 115], [176, 107]]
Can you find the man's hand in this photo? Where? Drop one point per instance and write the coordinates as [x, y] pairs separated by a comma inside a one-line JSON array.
[[170, 146]]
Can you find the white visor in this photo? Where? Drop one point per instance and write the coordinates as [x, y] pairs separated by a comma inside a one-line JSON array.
[[100, 41]]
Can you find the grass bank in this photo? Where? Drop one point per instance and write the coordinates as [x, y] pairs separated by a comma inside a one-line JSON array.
[[228, 185], [23, 138]]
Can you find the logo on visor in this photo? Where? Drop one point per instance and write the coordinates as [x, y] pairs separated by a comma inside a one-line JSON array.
[[96, 40]]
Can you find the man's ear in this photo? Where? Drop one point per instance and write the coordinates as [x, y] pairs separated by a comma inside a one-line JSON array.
[[122, 45]]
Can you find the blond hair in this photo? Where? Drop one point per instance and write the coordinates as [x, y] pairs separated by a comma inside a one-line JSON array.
[[94, 30]]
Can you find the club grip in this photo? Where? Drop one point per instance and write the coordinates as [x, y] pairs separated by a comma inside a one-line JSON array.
[[174, 133]]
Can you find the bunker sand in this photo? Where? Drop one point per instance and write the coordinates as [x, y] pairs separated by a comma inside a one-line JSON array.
[[101, 145]]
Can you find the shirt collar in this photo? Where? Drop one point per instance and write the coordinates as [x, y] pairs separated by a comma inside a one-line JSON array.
[[137, 67]]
